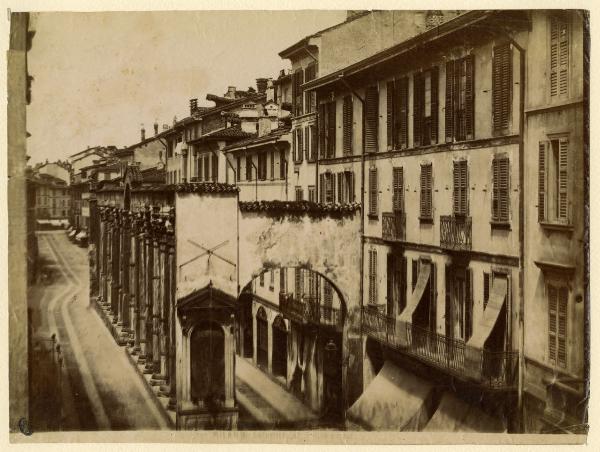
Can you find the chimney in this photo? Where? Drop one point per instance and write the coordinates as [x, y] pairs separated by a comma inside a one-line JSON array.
[[270, 91], [261, 84], [155, 128], [143, 133], [230, 92], [193, 106]]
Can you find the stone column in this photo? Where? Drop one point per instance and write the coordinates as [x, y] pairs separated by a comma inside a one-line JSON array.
[[157, 291], [116, 249], [229, 349], [143, 286], [109, 257], [148, 306], [270, 343], [133, 284], [125, 279], [163, 313], [172, 345], [102, 256]]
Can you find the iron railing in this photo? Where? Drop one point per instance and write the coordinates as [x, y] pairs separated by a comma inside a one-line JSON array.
[[455, 232], [393, 226], [496, 370], [309, 309]]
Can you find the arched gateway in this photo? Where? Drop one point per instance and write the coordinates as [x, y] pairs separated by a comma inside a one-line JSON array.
[[223, 244]]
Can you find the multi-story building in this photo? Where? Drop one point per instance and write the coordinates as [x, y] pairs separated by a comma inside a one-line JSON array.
[[53, 198]]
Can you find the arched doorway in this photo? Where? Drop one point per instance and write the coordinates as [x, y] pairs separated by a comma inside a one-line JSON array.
[[279, 358], [207, 350], [262, 338]]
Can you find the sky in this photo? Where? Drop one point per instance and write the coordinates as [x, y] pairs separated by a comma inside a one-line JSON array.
[[99, 76]]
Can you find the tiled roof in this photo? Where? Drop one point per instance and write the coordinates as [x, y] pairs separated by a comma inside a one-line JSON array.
[[153, 175], [256, 140], [205, 187], [299, 208], [232, 132]]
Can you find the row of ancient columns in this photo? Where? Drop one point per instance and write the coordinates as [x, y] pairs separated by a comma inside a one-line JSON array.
[[136, 274]]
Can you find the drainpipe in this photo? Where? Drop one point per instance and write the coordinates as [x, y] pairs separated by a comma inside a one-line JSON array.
[[362, 199]]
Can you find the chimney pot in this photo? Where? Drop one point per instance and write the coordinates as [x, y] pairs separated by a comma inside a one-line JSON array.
[[193, 105], [143, 133], [155, 128], [261, 84], [231, 92]]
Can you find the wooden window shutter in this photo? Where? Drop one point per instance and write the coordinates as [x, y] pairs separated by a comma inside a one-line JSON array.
[[552, 322], [503, 189], [469, 97], [347, 126], [340, 181], [434, 104], [426, 191], [294, 87], [418, 98], [542, 181], [559, 57], [486, 289], [563, 173], [495, 190], [322, 188], [373, 188], [401, 113], [501, 86], [300, 142], [313, 142], [322, 132], [307, 142], [390, 110], [331, 129], [563, 299], [372, 118], [449, 106], [468, 303], [398, 189], [351, 189], [460, 187], [332, 184], [294, 145]]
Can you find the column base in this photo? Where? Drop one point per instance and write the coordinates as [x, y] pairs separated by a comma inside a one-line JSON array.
[[149, 369], [157, 381], [172, 405], [135, 350]]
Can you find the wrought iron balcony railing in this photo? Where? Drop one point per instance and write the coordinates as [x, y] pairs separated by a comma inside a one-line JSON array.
[[455, 232], [393, 226], [309, 310], [497, 370]]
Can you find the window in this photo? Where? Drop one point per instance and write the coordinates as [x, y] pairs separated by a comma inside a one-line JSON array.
[[327, 188], [396, 291], [372, 276], [307, 142], [327, 129], [299, 194], [397, 113], [558, 298], [314, 139], [501, 86], [298, 145], [347, 125], [459, 110], [553, 179], [425, 105], [248, 167], [272, 159], [373, 193], [262, 279], [312, 195], [372, 118], [500, 190], [299, 282], [559, 57], [297, 93], [215, 168], [460, 192], [282, 164], [398, 189], [262, 166], [459, 303], [426, 204], [238, 170], [345, 186], [310, 73]]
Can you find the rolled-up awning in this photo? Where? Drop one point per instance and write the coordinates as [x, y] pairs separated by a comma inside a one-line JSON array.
[[395, 400], [413, 301], [456, 415], [490, 315], [81, 235], [72, 233]]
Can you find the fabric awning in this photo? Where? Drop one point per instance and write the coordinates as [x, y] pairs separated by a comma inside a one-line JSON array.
[[395, 400], [456, 415], [72, 233], [81, 235], [490, 314], [415, 298]]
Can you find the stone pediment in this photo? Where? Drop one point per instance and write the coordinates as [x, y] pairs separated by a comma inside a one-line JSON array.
[[207, 298]]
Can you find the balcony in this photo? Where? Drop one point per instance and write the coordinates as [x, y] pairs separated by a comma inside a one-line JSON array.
[[494, 370], [455, 232], [309, 310], [393, 226]]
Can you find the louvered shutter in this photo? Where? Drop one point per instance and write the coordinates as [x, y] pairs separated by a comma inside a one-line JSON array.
[[486, 289], [456, 189], [501, 86], [398, 189], [373, 191], [495, 190], [449, 106], [307, 142], [552, 322], [332, 183], [390, 114], [340, 191], [322, 130], [469, 97], [559, 57], [300, 142], [563, 298], [322, 188], [313, 143], [418, 96], [331, 130], [504, 189], [401, 113], [542, 181], [461, 195], [351, 186], [434, 104], [372, 113], [468, 304], [563, 164], [426, 191], [294, 145], [294, 93], [347, 119]]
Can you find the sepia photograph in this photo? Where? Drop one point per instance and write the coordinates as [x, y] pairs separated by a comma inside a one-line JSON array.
[[342, 222]]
